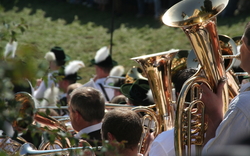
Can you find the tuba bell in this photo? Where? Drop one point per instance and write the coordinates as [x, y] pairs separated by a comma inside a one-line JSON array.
[[197, 18]]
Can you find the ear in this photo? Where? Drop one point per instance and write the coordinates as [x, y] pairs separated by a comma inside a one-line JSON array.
[[111, 137], [78, 115]]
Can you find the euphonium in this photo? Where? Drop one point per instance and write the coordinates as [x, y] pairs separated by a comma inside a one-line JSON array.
[[197, 18]]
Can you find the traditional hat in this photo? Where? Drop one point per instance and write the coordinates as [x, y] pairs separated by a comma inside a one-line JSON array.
[[70, 71], [57, 54], [103, 58], [139, 92]]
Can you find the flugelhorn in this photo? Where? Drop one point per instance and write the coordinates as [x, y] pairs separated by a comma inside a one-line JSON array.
[[197, 18]]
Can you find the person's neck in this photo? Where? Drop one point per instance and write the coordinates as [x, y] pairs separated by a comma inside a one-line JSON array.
[[85, 124], [129, 152], [99, 76]]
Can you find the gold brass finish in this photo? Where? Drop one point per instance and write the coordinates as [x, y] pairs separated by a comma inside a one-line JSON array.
[[27, 150], [197, 18], [157, 68]]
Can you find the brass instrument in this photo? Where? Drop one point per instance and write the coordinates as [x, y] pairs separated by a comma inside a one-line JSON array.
[[27, 150], [197, 19], [230, 54], [10, 146], [132, 75], [27, 108], [157, 68]]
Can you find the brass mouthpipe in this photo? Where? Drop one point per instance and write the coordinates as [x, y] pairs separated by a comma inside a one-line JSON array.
[[27, 150]]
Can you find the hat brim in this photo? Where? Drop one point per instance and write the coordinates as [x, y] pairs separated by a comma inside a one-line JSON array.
[[67, 58], [125, 88], [114, 63]]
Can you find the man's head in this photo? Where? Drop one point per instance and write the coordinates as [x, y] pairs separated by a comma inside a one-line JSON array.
[[86, 107], [122, 125], [103, 62], [180, 78], [245, 49]]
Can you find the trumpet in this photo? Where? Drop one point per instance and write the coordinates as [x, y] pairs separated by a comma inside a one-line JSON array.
[[198, 21]]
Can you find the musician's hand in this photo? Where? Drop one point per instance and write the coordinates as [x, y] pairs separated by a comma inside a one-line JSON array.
[[213, 108], [148, 141]]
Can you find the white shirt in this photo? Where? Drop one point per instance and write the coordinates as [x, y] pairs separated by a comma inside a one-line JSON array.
[[88, 130], [163, 144], [95, 84], [39, 92], [235, 125]]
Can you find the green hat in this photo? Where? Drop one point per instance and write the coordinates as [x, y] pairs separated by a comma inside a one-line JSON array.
[[103, 58], [57, 54], [138, 92], [70, 71]]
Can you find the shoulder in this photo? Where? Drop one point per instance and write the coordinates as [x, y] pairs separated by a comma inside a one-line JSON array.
[[241, 102], [90, 83], [163, 144]]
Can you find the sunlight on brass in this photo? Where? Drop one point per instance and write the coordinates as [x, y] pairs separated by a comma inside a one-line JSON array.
[[197, 18]]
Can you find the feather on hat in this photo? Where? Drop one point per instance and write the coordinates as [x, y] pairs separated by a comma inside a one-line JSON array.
[[73, 67], [117, 71], [70, 71], [10, 48], [50, 56], [101, 54], [103, 58]]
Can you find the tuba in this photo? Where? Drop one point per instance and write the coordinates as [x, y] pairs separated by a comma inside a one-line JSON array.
[[157, 68], [197, 18]]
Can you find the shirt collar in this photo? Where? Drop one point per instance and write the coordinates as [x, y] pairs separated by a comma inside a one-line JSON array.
[[88, 130]]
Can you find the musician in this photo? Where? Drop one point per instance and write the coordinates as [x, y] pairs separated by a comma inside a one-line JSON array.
[[138, 93], [235, 125], [103, 64], [123, 129], [66, 77], [86, 110], [57, 58]]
